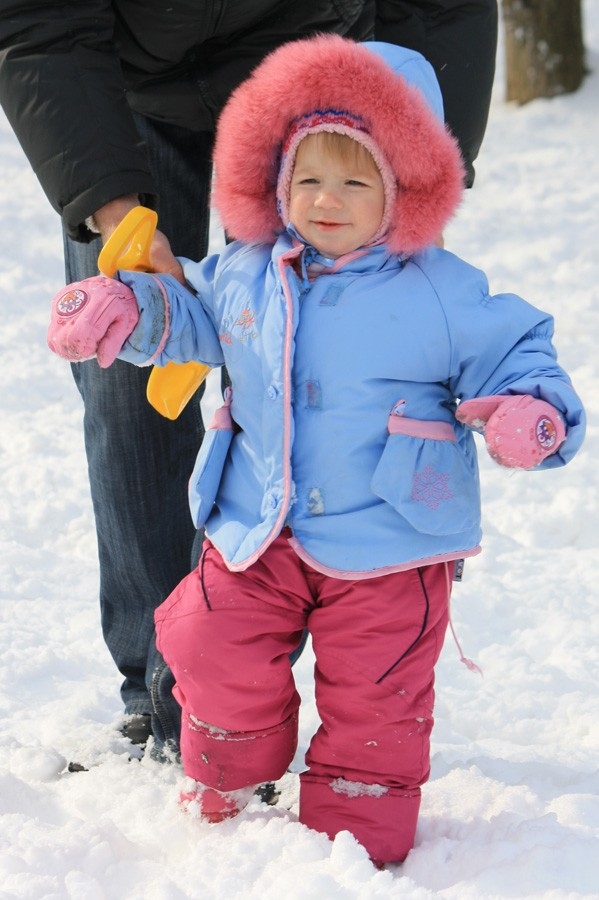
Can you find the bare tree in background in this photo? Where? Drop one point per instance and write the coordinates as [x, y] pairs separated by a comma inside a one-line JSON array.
[[544, 50]]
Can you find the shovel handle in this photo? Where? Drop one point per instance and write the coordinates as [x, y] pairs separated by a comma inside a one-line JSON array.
[[128, 247], [170, 387]]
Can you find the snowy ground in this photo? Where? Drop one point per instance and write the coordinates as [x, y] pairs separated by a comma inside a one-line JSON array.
[[512, 807]]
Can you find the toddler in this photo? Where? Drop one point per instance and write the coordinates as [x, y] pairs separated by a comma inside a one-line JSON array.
[[338, 485]]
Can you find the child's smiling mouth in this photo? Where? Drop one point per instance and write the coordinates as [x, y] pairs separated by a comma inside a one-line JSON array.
[[328, 226]]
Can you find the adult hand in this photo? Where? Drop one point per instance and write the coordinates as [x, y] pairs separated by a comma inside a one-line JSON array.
[[161, 256]]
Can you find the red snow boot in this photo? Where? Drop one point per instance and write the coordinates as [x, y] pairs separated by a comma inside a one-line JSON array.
[[210, 805]]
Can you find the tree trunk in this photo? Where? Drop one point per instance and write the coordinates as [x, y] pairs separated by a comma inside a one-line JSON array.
[[544, 50]]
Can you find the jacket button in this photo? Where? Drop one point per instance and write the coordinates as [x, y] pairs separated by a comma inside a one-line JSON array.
[[272, 392]]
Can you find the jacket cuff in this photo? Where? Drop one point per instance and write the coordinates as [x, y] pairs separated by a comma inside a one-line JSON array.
[[147, 340]]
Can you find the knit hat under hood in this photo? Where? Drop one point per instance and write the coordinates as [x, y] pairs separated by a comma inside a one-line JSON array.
[[339, 122], [393, 95]]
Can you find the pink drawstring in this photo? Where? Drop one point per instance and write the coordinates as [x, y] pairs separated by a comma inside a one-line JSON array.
[[469, 663]]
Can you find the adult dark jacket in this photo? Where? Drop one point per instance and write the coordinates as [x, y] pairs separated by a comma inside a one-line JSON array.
[[72, 71]]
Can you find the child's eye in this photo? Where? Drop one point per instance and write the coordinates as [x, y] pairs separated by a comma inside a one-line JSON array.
[[355, 182], [309, 181]]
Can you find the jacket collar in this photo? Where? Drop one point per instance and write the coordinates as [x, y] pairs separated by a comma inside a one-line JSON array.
[[312, 263]]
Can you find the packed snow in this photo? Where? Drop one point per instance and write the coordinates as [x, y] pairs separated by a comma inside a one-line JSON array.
[[512, 806]]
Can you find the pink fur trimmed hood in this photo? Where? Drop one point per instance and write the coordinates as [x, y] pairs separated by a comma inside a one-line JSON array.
[[396, 94]]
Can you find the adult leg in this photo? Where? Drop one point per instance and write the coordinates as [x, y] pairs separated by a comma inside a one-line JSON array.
[[376, 644], [139, 462]]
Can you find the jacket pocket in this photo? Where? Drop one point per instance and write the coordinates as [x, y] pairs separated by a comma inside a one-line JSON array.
[[208, 469], [426, 476]]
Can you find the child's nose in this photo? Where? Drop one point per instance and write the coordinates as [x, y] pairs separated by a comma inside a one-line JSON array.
[[328, 198]]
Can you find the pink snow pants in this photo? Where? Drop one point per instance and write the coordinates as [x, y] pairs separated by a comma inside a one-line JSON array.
[[227, 637]]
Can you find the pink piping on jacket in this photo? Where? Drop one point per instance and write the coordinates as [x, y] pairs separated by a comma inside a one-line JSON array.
[[376, 573], [282, 261], [420, 428]]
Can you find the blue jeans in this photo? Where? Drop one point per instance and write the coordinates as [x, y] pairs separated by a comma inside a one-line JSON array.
[[139, 462]]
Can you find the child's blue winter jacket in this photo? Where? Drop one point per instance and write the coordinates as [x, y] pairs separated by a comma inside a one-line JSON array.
[[344, 394]]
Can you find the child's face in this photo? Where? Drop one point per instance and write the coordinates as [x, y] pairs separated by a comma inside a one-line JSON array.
[[336, 201]]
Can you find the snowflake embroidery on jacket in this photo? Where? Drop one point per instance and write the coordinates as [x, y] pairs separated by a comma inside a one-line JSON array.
[[241, 328], [430, 487], [244, 326]]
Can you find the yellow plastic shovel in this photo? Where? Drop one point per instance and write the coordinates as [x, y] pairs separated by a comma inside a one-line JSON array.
[[170, 387]]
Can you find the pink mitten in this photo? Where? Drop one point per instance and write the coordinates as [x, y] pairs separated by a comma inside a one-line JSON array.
[[520, 431], [93, 317]]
